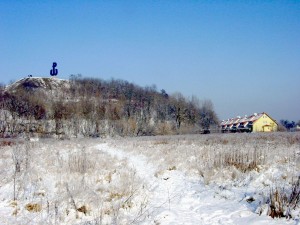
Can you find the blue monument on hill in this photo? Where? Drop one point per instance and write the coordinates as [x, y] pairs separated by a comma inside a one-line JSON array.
[[53, 71]]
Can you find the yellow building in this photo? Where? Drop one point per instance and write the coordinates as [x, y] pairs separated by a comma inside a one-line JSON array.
[[264, 123], [258, 122]]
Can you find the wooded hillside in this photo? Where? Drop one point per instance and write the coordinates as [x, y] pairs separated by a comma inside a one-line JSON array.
[[94, 107]]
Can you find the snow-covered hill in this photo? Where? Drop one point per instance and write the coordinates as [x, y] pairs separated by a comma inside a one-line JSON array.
[[39, 83]]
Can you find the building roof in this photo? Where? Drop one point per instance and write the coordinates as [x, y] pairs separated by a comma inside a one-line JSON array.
[[251, 118]]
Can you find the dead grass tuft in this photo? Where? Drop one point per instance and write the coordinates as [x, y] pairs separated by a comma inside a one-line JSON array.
[[14, 204], [6, 143], [172, 168], [243, 167], [33, 207], [115, 196], [277, 204], [282, 201], [83, 209], [243, 161]]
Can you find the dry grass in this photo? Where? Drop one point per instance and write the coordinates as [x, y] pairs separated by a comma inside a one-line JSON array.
[[243, 161], [220, 156], [232, 158], [282, 201], [104, 188], [79, 162], [96, 182]]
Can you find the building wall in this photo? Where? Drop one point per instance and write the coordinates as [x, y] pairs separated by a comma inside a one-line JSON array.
[[260, 124]]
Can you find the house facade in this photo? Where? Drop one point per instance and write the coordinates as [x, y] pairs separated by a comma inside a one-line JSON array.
[[258, 122]]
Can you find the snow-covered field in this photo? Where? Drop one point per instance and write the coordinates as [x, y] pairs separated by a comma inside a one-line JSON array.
[[192, 179]]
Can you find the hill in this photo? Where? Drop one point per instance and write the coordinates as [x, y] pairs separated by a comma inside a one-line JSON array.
[[94, 107]]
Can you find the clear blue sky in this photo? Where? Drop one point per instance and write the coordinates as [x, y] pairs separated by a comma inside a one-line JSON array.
[[244, 57]]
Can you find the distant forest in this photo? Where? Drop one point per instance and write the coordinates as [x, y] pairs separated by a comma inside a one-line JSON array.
[[94, 107]]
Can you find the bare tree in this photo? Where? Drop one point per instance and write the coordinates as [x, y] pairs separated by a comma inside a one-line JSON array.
[[178, 108], [207, 115]]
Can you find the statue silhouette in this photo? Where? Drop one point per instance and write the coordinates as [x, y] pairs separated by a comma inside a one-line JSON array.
[[53, 71]]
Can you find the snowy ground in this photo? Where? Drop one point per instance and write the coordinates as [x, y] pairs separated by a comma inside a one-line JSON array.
[[154, 180], [177, 199]]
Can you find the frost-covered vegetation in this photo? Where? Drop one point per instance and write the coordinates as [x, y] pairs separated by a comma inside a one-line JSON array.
[[187, 179], [63, 183]]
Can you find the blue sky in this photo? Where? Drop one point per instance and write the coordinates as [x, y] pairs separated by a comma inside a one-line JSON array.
[[242, 55]]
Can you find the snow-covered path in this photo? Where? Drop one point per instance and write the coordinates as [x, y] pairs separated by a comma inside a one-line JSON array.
[[175, 198]]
